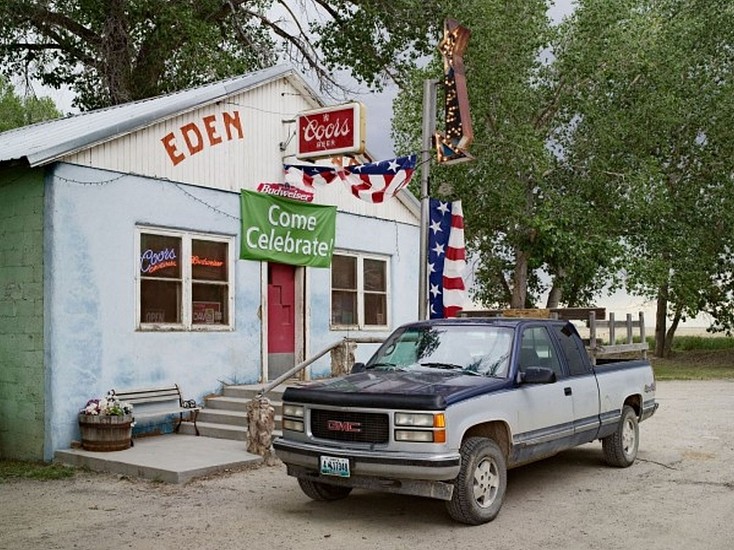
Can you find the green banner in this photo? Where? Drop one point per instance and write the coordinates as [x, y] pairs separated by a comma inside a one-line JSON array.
[[286, 231]]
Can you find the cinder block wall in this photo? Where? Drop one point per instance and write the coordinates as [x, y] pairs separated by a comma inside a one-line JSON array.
[[22, 373]]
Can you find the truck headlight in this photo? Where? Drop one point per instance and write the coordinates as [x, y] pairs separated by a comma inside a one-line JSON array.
[[293, 425], [414, 419], [418, 436], [293, 417], [433, 427], [293, 410]]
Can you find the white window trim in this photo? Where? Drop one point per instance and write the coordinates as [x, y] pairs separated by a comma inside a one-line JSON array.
[[186, 279], [360, 325]]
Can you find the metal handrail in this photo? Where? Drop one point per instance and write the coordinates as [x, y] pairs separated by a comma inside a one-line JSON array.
[[302, 365]]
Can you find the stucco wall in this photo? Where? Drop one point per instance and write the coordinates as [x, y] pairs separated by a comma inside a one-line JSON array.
[[92, 341], [21, 314]]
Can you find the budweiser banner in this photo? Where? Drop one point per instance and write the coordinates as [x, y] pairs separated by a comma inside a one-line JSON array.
[[285, 190], [286, 231], [331, 131]]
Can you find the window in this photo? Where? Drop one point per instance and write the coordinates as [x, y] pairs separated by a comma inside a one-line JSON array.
[[184, 281], [536, 350], [578, 360], [359, 291]]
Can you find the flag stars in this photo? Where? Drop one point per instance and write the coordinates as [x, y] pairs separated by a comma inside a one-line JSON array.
[[439, 249], [443, 207], [435, 291], [393, 165], [436, 226]]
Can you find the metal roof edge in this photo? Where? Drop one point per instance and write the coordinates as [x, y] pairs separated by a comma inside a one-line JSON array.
[[209, 93]]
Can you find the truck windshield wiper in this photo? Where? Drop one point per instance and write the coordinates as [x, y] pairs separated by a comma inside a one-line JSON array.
[[452, 366], [387, 366], [447, 366]]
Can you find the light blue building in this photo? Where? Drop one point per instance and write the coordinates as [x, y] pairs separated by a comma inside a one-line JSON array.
[[119, 256]]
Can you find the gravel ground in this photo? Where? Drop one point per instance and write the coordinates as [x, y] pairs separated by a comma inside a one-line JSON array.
[[679, 494]]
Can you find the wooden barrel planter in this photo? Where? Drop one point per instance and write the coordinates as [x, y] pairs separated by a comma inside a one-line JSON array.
[[105, 433]]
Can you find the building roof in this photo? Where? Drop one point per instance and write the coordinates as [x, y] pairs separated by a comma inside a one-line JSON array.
[[48, 141]]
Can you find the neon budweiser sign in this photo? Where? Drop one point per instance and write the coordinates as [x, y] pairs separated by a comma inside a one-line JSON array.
[[331, 131]]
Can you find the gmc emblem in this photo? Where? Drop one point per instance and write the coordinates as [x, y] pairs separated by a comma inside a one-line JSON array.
[[344, 426]]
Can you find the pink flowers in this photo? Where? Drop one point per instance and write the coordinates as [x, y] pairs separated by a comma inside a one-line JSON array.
[[109, 405]]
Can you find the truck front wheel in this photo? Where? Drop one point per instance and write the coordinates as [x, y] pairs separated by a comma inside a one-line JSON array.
[[480, 487], [620, 448], [323, 491]]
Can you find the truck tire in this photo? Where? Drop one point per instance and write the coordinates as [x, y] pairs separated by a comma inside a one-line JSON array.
[[323, 491], [480, 487], [620, 448]]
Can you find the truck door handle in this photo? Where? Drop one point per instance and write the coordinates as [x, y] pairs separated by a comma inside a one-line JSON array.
[[567, 391]]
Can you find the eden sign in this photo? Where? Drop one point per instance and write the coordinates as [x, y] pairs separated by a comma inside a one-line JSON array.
[[331, 131]]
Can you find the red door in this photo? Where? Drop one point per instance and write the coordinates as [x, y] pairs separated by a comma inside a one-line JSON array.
[[281, 319]]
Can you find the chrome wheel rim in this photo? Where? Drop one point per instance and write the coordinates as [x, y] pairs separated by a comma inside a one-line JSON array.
[[486, 482], [629, 438]]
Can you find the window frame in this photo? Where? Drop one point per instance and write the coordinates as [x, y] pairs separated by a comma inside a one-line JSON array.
[[361, 292], [187, 281]]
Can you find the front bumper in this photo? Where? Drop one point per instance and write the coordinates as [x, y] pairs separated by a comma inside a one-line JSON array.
[[388, 465]]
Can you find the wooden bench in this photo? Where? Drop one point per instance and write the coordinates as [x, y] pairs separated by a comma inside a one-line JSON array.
[[160, 401]]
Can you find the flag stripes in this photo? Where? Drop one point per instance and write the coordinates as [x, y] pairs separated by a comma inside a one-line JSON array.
[[446, 259], [374, 182]]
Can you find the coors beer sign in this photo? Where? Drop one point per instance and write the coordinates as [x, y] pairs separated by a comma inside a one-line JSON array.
[[331, 131]]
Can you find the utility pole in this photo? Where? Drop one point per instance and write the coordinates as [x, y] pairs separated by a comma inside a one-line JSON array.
[[451, 148], [429, 128]]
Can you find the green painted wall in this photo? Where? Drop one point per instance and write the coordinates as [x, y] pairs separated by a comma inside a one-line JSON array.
[[22, 374]]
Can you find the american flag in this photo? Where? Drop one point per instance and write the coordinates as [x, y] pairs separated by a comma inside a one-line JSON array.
[[446, 259], [374, 182]]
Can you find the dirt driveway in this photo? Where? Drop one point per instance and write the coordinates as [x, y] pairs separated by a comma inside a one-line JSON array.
[[679, 494]]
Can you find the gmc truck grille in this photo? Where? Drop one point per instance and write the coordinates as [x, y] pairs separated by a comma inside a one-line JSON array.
[[350, 426]]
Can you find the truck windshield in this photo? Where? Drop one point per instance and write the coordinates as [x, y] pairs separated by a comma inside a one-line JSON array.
[[466, 349]]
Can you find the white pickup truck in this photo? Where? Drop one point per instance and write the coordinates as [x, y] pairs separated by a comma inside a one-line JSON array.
[[443, 408]]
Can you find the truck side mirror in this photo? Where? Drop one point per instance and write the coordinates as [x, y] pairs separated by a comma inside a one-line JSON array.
[[358, 367], [538, 375]]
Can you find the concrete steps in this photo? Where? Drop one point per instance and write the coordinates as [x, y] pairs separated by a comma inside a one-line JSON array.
[[225, 416]]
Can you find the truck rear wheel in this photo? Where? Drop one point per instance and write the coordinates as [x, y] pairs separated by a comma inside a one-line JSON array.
[[620, 448], [480, 487], [323, 491]]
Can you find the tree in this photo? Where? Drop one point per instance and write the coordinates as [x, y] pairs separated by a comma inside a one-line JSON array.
[[654, 126], [16, 111], [527, 213], [114, 51]]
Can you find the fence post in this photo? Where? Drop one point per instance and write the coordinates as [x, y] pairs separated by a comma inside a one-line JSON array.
[[643, 336], [612, 329], [592, 336]]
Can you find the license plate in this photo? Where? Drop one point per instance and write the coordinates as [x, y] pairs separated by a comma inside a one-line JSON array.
[[334, 466]]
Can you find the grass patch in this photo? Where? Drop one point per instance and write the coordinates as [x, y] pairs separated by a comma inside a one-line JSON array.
[[18, 469], [696, 358], [691, 343], [696, 364]]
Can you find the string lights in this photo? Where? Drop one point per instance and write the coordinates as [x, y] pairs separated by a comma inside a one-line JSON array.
[[452, 146]]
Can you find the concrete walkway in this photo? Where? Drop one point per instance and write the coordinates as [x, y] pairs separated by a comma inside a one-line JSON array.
[[171, 458]]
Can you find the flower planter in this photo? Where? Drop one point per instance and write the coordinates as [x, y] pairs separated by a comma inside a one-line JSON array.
[[105, 433]]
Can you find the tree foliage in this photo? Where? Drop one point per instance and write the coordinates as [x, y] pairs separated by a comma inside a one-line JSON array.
[[16, 111], [655, 128], [113, 51], [528, 214], [603, 146]]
